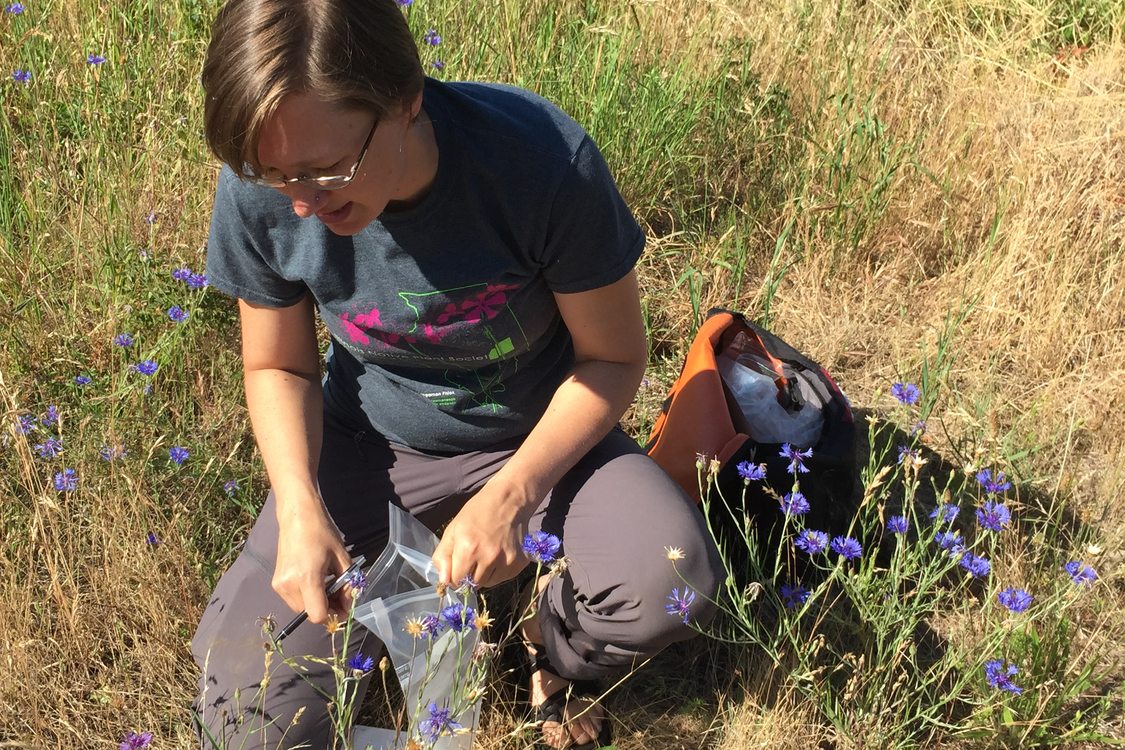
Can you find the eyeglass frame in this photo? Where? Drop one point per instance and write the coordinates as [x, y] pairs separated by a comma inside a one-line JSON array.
[[318, 182]]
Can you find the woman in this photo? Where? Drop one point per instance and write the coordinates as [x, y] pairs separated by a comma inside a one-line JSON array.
[[472, 260]]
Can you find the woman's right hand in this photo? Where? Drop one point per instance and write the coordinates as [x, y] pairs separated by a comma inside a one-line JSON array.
[[309, 549]]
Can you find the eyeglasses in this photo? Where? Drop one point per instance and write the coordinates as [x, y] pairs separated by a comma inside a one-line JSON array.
[[325, 182]]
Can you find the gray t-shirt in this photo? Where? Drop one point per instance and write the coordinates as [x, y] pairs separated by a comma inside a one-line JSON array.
[[445, 333]]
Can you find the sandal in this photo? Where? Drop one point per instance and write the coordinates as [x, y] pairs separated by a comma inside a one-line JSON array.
[[554, 707]]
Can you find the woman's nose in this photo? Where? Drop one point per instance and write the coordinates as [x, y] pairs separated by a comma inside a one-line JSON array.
[[305, 199]]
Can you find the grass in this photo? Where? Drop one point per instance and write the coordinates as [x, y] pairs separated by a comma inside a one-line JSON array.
[[925, 190]]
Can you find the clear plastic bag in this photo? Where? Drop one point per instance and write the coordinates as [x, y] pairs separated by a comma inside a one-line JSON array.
[[400, 586], [773, 414]]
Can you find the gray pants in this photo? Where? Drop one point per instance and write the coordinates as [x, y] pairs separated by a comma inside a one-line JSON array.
[[615, 511]]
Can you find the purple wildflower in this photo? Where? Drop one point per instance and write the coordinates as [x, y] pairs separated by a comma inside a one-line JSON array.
[[111, 452], [906, 452], [49, 448], [404, 3], [431, 37], [541, 546], [94, 59], [945, 513], [123, 340], [152, 539], [230, 486], [21, 76], [812, 541], [949, 541], [993, 516], [751, 472], [993, 485], [1017, 600], [438, 721], [181, 274], [52, 415], [792, 596], [150, 218], [999, 675], [66, 480], [846, 547], [356, 580], [25, 423], [147, 367], [794, 504], [459, 617], [1080, 573], [898, 524], [467, 583], [796, 458], [361, 662], [196, 280], [14, 8], [177, 314], [431, 625], [438, 65], [680, 604], [906, 393], [978, 566], [82, 380], [134, 741], [178, 454]]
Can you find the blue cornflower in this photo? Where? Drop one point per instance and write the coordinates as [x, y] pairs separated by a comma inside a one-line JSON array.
[[111, 452], [812, 541], [945, 513], [52, 415], [361, 662], [438, 721], [196, 280], [906, 393], [230, 486], [993, 516], [846, 547], [1080, 573], [977, 566], [147, 367], [356, 580], [152, 539], [906, 452], [150, 218], [134, 741], [918, 428], [178, 455], [14, 8], [94, 59], [1016, 600], [898, 524], [431, 37], [680, 604], [123, 340], [796, 458], [177, 314], [993, 485], [431, 625], [82, 380], [459, 617], [541, 546], [999, 675], [66, 480], [25, 423], [792, 596], [49, 448], [21, 76], [438, 65], [404, 3], [467, 583], [181, 274], [794, 504], [751, 472], [949, 541]]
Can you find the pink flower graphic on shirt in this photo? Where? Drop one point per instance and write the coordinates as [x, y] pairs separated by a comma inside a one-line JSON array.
[[355, 333], [360, 327], [487, 304]]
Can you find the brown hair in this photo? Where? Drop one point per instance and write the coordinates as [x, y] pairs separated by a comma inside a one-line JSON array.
[[355, 53]]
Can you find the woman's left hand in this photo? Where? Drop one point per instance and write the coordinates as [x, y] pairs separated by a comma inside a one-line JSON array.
[[483, 541]]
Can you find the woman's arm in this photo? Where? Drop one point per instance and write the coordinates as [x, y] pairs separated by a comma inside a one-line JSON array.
[[610, 356], [283, 394]]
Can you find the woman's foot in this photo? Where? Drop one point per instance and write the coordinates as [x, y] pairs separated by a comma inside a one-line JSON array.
[[568, 720]]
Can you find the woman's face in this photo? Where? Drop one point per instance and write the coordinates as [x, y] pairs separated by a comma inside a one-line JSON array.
[[310, 137]]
